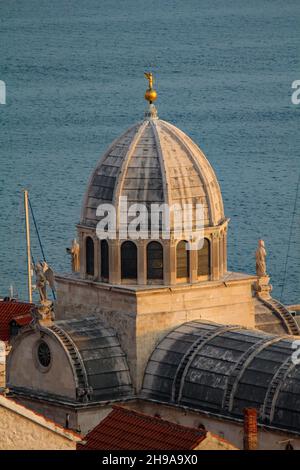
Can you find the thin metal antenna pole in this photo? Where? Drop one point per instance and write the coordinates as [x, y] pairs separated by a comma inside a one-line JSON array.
[[28, 245]]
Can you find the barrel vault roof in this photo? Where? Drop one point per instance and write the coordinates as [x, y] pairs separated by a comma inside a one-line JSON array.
[[224, 369]]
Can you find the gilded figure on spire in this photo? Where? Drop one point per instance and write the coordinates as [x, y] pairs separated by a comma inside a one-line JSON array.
[[150, 94]]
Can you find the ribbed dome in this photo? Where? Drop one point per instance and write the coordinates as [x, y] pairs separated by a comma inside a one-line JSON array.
[[154, 162]]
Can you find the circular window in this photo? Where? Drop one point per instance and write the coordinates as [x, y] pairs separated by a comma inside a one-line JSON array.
[[44, 354]]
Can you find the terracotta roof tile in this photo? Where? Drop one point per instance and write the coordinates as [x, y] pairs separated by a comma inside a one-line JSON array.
[[13, 310], [125, 429], [23, 320]]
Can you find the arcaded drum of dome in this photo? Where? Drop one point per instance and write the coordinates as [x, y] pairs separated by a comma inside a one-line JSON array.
[[154, 162]]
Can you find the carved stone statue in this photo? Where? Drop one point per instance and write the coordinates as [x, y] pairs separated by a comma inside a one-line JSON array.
[[261, 254], [44, 277], [74, 251]]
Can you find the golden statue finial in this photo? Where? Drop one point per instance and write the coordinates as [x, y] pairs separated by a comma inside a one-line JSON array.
[[150, 94], [149, 77]]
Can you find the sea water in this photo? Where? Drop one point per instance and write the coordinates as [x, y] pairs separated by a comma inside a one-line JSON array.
[[74, 81]]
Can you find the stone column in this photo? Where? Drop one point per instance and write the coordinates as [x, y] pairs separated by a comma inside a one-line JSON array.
[[99, 260], [96, 258], [225, 251], [171, 263], [215, 256], [166, 262], [114, 247], [142, 262], [85, 235], [81, 238], [193, 257], [221, 254]]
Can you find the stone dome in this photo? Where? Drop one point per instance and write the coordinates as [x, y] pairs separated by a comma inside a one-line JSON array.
[[156, 172], [154, 162]]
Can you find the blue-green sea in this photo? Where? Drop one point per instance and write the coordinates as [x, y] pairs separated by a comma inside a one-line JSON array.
[[74, 77]]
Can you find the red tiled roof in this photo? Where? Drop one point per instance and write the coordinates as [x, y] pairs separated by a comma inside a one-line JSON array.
[[23, 320], [13, 310], [125, 429]]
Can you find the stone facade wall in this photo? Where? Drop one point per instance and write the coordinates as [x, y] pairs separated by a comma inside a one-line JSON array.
[[142, 317], [81, 419], [23, 369], [116, 307], [162, 311], [76, 296], [54, 411], [231, 431], [20, 433]]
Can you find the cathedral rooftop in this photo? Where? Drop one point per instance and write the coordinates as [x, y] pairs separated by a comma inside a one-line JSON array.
[[223, 369], [125, 429]]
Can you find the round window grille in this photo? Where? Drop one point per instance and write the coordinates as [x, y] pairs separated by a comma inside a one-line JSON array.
[[44, 354]]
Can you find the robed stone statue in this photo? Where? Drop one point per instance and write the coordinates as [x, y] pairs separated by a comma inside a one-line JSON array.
[[261, 254], [74, 251]]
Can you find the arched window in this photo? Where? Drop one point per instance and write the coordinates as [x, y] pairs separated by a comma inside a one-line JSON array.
[[182, 260], [155, 261], [204, 259], [89, 247], [104, 260], [128, 260]]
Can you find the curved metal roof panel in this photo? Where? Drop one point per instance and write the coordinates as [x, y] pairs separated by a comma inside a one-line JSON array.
[[224, 369], [96, 349]]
